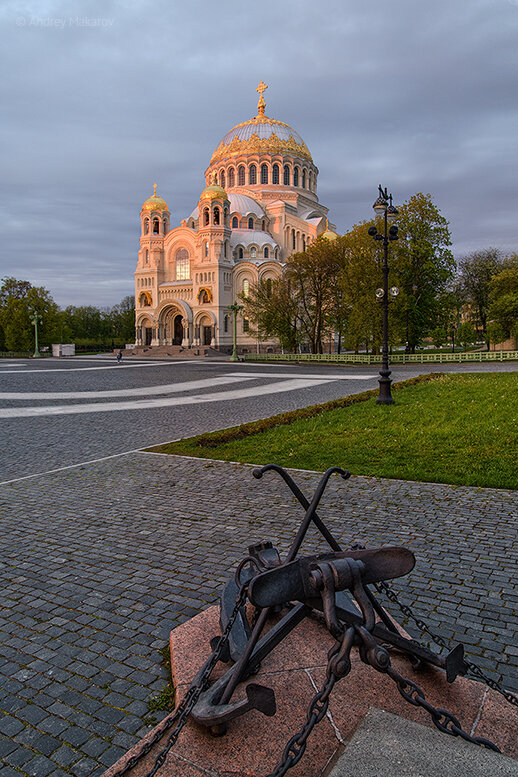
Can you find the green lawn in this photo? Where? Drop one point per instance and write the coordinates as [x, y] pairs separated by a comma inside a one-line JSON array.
[[448, 429]]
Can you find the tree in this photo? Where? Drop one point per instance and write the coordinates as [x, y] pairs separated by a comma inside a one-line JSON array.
[[272, 309], [359, 273], [422, 264], [122, 318], [18, 299], [312, 275], [503, 295], [476, 271]]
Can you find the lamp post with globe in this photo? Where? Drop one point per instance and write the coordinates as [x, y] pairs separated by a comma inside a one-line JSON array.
[[235, 308], [384, 207], [36, 319]]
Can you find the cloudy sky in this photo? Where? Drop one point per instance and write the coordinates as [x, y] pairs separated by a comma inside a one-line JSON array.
[[101, 99]]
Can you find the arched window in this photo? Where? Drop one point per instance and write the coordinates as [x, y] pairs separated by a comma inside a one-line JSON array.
[[235, 222], [156, 227], [303, 242], [246, 325], [293, 238], [296, 177], [183, 268], [240, 253], [264, 173], [276, 253], [250, 223], [215, 177], [310, 185], [241, 175], [253, 252], [225, 324], [206, 216], [268, 287], [147, 256], [206, 248], [266, 253], [231, 177], [216, 216], [222, 179], [263, 225], [303, 179], [246, 288], [275, 174], [252, 175], [286, 175], [205, 277], [146, 226]]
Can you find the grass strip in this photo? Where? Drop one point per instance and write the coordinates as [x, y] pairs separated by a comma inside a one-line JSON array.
[[444, 428]]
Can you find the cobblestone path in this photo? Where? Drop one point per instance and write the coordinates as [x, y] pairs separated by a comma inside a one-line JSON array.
[[99, 563]]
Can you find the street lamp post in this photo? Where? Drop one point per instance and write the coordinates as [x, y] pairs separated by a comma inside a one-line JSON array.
[[36, 319], [235, 308], [384, 207]]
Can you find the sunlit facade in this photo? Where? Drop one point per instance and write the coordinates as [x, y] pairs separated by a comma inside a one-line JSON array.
[[259, 205]]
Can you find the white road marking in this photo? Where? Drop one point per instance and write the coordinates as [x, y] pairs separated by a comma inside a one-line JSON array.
[[166, 388], [144, 404], [114, 366], [310, 375]]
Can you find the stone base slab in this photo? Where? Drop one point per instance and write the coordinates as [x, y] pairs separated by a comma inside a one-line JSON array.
[[295, 670]]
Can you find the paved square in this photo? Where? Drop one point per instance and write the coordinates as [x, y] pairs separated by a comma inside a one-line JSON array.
[[100, 562]]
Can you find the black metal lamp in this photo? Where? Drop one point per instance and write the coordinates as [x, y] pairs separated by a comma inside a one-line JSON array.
[[383, 207]]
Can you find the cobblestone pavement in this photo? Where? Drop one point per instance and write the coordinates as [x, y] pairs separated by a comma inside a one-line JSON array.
[[98, 563]]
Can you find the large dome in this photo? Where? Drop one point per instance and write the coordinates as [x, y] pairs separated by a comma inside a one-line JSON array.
[[261, 135]]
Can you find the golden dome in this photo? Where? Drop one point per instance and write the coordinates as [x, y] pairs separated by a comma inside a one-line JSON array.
[[213, 192], [261, 135], [154, 202], [329, 235]]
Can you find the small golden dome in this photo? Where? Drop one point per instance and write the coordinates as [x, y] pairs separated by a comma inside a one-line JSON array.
[[329, 235], [214, 191], [154, 202]]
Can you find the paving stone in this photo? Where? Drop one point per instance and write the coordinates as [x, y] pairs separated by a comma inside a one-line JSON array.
[[66, 615]]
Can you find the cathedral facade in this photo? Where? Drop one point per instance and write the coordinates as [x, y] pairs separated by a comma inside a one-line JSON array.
[[259, 205]]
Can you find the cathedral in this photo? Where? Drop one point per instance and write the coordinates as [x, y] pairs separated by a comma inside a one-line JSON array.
[[259, 205]]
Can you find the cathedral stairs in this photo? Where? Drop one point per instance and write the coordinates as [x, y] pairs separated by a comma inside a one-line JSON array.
[[171, 351]]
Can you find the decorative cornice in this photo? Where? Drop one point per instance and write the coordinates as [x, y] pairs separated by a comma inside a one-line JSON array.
[[256, 145]]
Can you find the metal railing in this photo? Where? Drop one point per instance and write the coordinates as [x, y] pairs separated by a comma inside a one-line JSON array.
[[395, 358]]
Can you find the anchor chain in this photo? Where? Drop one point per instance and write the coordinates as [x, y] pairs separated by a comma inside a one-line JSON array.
[[378, 657], [338, 666], [184, 709], [473, 669]]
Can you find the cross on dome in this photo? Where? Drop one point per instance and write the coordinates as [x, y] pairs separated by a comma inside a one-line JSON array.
[[261, 104]]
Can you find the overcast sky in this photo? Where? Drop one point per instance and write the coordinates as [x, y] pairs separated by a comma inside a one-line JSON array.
[[101, 99]]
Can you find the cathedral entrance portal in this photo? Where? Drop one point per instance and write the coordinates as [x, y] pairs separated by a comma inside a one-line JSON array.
[[207, 335], [148, 335], [177, 330]]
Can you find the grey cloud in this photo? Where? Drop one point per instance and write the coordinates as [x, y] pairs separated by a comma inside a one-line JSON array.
[[420, 97]]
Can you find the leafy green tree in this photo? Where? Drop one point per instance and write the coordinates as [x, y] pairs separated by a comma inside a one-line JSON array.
[[503, 309], [476, 271], [439, 336], [18, 299], [422, 264], [358, 276], [122, 320], [312, 275], [273, 312]]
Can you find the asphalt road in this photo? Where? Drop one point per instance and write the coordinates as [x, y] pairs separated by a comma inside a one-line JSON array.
[[56, 413]]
